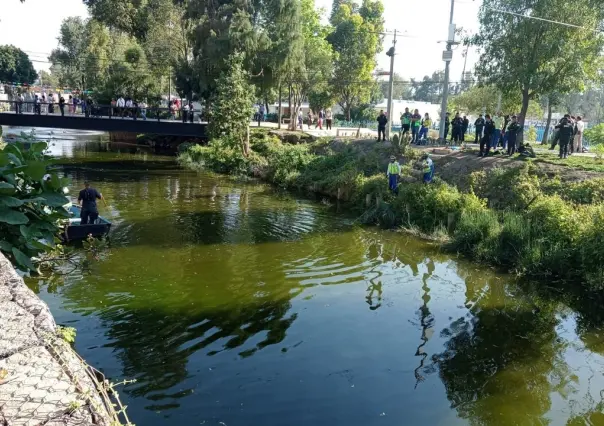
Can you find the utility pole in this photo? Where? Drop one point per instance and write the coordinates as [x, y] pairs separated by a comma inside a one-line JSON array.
[[447, 56], [390, 53]]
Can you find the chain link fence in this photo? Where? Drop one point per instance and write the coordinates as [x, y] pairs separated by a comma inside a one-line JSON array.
[[43, 381]]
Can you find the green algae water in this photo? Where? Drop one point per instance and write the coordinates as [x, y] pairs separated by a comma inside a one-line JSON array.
[[233, 303]]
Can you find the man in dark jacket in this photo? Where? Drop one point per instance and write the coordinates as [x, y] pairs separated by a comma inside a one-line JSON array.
[[457, 124], [447, 125], [464, 128], [565, 134], [512, 135], [479, 127], [489, 130], [382, 121]]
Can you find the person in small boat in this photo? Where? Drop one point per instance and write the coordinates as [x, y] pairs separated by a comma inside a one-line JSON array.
[[87, 200]]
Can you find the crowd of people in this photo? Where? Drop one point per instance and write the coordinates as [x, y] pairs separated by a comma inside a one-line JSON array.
[[76, 104]]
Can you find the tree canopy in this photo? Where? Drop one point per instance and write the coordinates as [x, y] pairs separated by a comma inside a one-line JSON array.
[[534, 57], [15, 66], [356, 40]]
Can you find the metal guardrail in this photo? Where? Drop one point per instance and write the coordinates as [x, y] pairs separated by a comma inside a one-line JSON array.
[[100, 111]]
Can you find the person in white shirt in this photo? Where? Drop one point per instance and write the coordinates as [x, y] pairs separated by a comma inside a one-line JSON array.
[[128, 106], [51, 102], [328, 118], [143, 108], [579, 136], [121, 103]]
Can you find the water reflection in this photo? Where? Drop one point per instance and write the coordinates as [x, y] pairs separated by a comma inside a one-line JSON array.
[[231, 302]]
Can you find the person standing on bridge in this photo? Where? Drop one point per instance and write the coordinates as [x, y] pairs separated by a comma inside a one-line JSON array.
[[143, 107], [37, 109], [121, 104], [62, 105], [51, 104], [191, 111]]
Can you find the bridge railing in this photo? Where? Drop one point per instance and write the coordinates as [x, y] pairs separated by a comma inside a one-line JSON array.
[[107, 112]]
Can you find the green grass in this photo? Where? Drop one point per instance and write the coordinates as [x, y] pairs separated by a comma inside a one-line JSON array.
[[579, 162]]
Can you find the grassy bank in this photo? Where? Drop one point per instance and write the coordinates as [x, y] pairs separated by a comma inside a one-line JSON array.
[[515, 218]]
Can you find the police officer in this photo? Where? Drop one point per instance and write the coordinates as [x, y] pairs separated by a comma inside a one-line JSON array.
[[479, 127], [565, 134], [382, 121], [485, 142], [512, 135]]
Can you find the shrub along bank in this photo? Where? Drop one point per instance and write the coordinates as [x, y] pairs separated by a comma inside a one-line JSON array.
[[531, 224]]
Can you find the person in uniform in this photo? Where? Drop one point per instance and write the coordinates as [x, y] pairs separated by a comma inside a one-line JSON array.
[[87, 200]]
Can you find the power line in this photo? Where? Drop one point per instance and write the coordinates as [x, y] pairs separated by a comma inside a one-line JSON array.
[[551, 21]]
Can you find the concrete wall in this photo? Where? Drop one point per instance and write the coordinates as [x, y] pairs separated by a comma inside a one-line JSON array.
[[42, 380]]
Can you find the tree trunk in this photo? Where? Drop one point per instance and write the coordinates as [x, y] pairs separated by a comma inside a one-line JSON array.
[[523, 111], [547, 123], [279, 112], [289, 104], [246, 142], [348, 108]]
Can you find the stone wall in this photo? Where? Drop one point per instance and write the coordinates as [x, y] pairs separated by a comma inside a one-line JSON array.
[[42, 380]]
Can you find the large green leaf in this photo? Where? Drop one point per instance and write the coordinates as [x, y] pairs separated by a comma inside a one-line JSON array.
[[12, 217], [14, 152], [14, 159], [7, 188], [10, 201], [6, 246], [54, 199], [36, 170], [23, 260], [38, 147]]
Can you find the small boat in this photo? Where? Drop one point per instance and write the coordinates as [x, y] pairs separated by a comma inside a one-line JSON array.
[[74, 230]]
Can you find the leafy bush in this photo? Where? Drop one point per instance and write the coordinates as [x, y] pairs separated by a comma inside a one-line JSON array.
[[512, 188], [473, 229], [595, 134], [220, 156], [589, 191], [30, 204], [531, 135]]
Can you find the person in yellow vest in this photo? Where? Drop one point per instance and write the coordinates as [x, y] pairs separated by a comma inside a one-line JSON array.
[[394, 170], [423, 132]]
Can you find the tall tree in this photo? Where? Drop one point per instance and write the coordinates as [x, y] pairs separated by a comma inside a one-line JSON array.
[[232, 105], [356, 41], [315, 67], [69, 57], [536, 57], [15, 66], [479, 98]]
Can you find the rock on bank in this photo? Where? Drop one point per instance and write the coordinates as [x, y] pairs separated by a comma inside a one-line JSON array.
[[42, 380]]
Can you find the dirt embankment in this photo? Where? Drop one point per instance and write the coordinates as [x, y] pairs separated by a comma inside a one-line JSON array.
[[455, 167]]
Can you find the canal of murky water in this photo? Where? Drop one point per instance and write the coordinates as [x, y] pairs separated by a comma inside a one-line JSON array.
[[236, 304]]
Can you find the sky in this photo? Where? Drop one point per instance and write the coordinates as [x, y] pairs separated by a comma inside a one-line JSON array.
[[421, 25]]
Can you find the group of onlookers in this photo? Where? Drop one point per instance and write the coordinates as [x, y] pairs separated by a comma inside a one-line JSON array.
[[495, 131], [323, 117], [415, 125], [569, 135]]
